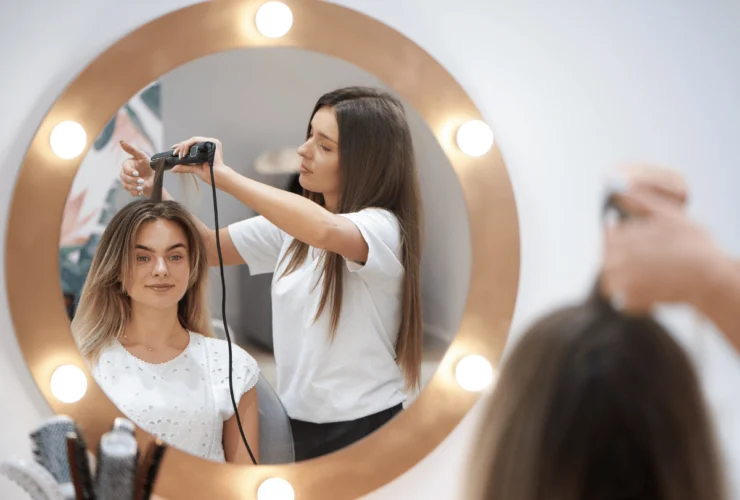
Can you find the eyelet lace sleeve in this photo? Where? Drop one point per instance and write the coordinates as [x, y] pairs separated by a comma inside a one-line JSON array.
[[245, 374]]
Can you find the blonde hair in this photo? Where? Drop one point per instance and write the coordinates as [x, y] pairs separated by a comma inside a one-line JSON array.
[[105, 307], [593, 404]]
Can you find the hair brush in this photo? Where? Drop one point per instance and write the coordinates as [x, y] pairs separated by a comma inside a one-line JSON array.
[[50, 446], [34, 479]]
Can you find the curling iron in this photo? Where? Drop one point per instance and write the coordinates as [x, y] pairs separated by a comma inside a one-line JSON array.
[[611, 209], [200, 153]]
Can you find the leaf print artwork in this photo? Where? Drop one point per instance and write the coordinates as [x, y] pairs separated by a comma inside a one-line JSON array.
[[96, 193], [73, 221]]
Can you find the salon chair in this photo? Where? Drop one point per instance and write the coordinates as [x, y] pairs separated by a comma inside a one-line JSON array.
[[276, 438]]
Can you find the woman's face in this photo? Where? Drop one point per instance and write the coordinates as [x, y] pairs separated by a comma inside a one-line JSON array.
[[320, 155], [161, 271]]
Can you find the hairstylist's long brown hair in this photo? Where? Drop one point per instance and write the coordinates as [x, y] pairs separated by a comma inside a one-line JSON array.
[[595, 405], [377, 169], [105, 307]]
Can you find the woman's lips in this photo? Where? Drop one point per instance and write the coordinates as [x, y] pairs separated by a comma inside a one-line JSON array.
[[304, 169], [161, 288]]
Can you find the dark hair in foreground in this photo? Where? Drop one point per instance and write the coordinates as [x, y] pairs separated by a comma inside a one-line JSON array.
[[596, 405]]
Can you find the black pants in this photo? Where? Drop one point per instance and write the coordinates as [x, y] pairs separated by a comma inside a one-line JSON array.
[[314, 440]]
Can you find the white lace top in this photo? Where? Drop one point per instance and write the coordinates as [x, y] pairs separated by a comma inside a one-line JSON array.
[[184, 401]]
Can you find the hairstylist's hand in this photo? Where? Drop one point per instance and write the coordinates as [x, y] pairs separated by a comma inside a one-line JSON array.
[[136, 174], [202, 171], [662, 181], [659, 256]]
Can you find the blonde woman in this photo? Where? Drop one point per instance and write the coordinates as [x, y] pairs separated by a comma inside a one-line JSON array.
[[144, 325]]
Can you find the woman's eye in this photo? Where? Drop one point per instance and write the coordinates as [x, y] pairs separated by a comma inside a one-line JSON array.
[[176, 257], [142, 258], [324, 147]]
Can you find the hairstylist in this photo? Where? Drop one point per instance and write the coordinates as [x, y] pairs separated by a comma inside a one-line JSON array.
[[661, 255], [346, 299]]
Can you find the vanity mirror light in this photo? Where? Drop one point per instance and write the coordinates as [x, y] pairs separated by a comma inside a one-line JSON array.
[[437, 107]]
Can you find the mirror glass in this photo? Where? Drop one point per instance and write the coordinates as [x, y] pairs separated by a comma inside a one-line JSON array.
[[308, 388]]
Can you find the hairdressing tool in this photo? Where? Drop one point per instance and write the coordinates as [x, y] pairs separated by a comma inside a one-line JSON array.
[[50, 446], [199, 153], [612, 213], [116, 472], [149, 469], [123, 424], [79, 467], [612, 210], [34, 479]]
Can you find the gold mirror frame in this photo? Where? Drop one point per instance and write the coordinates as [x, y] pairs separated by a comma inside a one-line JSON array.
[[44, 181]]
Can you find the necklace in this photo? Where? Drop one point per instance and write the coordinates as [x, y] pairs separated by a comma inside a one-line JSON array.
[[150, 349]]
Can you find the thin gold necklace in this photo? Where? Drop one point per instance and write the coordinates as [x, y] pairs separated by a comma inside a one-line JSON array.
[[125, 336]]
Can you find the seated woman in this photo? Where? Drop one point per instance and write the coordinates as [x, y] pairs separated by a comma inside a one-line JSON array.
[[144, 325], [593, 404]]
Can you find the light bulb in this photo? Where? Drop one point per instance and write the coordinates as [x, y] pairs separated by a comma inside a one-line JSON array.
[[475, 138], [68, 384], [274, 19], [68, 140], [275, 488], [473, 373]]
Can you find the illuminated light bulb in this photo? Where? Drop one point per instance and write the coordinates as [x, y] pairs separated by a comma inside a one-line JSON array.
[[474, 138], [275, 488], [274, 19], [68, 140], [68, 384], [474, 373]]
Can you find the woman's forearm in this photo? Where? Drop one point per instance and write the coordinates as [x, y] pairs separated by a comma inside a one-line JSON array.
[[300, 217], [234, 449], [720, 301]]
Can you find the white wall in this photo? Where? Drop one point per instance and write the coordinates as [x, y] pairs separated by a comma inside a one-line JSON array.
[[571, 89]]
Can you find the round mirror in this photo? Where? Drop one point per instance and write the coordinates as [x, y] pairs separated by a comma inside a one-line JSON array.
[[259, 108], [256, 93]]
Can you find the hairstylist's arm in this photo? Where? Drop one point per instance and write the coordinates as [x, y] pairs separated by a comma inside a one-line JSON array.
[[663, 256], [137, 176], [299, 217], [234, 449], [661, 181]]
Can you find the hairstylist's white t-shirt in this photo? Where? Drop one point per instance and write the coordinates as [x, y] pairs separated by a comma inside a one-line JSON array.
[[355, 375]]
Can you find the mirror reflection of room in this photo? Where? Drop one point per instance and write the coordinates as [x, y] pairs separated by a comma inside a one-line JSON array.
[[323, 381]]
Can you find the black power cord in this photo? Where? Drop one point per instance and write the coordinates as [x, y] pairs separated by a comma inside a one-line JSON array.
[[203, 152], [223, 307]]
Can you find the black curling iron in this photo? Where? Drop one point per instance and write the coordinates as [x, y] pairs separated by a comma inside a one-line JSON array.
[[200, 153], [611, 209]]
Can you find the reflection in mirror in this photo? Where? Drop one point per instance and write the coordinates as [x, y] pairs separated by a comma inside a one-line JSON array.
[[134, 275]]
